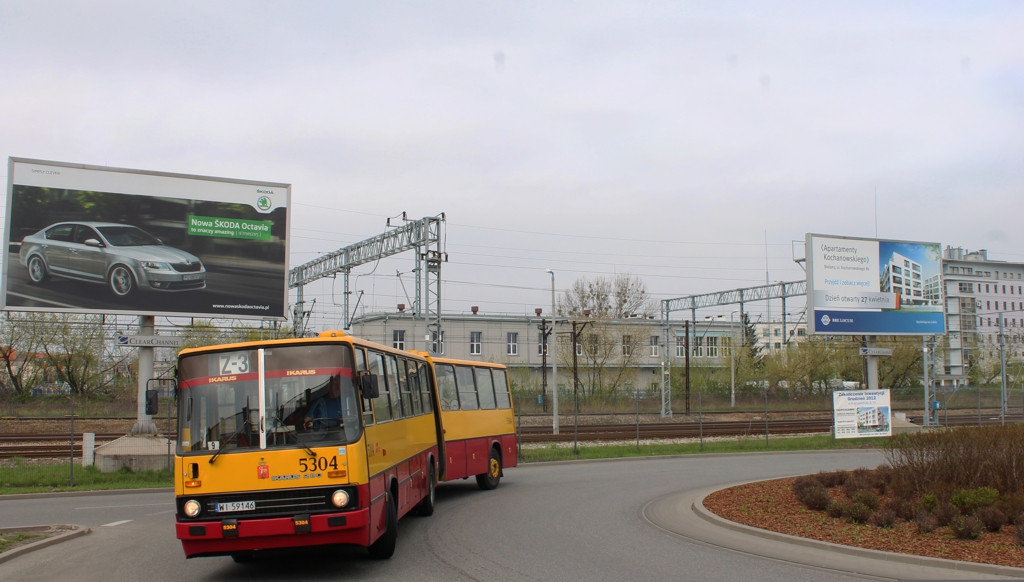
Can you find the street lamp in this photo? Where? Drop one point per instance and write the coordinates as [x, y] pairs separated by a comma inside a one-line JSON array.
[[732, 361], [554, 361]]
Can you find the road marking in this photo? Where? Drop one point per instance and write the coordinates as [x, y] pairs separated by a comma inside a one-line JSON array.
[[113, 523]]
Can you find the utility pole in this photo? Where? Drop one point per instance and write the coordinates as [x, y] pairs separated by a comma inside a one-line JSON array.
[[686, 346], [545, 332], [576, 384]]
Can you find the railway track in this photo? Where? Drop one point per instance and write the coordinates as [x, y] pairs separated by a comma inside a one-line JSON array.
[[46, 445], [59, 445]]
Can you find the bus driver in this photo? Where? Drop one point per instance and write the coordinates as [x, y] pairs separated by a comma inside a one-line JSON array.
[[326, 411]]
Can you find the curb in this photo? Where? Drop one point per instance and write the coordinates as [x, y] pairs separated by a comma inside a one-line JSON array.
[[70, 531], [878, 555]]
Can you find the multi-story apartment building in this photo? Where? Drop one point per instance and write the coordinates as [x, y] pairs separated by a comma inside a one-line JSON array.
[[982, 296]]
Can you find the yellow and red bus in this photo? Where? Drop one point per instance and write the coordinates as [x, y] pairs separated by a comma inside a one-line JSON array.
[[313, 441], [477, 420]]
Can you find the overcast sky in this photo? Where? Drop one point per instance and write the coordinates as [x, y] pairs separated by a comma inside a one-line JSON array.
[[691, 144]]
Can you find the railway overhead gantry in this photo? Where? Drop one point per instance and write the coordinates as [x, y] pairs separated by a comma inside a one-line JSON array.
[[423, 235], [692, 303]]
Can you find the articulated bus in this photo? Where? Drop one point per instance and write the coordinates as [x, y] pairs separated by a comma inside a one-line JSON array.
[[326, 440], [477, 420]]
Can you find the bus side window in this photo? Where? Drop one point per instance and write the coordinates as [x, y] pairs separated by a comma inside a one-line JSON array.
[[381, 404], [426, 394], [446, 386], [412, 396], [485, 388], [467, 388], [501, 389], [395, 387], [364, 403]]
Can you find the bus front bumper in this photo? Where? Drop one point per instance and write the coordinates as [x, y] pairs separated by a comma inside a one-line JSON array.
[[215, 538]]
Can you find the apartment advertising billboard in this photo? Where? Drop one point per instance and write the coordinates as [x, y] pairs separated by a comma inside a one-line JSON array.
[[92, 239], [861, 413], [859, 286]]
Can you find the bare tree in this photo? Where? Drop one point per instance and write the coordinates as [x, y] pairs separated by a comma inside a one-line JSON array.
[[609, 346], [23, 369]]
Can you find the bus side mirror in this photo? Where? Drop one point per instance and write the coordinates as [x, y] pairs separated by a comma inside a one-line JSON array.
[[152, 402], [368, 386]]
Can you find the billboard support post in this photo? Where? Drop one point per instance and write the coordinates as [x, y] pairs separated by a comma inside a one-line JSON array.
[[872, 364], [144, 424]]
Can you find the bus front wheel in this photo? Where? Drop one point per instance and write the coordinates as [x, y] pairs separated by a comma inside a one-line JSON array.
[[426, 505], [384, 547], [492, 477]]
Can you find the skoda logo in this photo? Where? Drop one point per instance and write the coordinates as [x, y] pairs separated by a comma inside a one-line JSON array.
[[825, 320], [263, 203]]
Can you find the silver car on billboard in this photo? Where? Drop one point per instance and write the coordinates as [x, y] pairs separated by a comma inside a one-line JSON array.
[[124, 257]]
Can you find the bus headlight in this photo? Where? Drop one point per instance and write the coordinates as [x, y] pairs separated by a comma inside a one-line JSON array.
[[192, 508], [340, 498]]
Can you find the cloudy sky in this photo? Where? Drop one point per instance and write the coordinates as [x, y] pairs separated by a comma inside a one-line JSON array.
[[691, 144]]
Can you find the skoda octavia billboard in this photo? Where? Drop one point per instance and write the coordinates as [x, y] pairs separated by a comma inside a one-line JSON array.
[[89, 239]]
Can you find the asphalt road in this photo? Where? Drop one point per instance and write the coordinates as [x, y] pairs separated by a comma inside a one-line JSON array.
[[584, 521]]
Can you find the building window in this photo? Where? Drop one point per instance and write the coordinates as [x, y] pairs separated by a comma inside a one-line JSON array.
[[655, 348], [476, 343], [712, 347], [542, 344], [698, 347], [513, 344], [398, 339], [627, 345], [437, 342], [680, 348]]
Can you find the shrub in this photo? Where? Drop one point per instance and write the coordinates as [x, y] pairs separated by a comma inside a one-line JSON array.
[[1019, 533], [945, 513], [858, 480], [926, 522], [967, 500], [816, 498], [992, 518], [884, 517], [836, 508], [803, 483], [966, 527], [1012, 506], [858, 513], [866, 497], [904, 509], [929, 501], [832, 479]]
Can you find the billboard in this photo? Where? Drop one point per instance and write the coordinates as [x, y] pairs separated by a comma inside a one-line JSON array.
[[861, 413], [92, 239], [858, 286]]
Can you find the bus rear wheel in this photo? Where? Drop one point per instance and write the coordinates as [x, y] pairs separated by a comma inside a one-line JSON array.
[[492, 477]]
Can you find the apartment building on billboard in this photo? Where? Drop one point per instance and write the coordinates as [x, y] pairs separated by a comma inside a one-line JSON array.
[[903, 277]]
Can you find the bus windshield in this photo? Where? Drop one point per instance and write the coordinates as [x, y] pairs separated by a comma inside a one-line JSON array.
[[282, 396]]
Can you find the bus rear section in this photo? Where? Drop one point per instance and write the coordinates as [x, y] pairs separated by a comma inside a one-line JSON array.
[[294, 443], [477, 420]]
